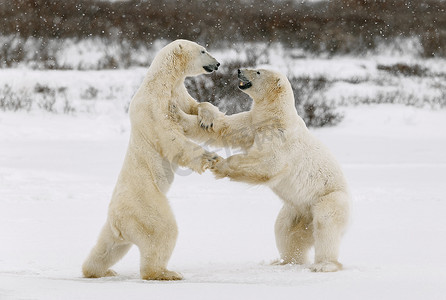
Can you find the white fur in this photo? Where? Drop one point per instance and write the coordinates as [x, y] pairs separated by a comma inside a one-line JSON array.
[[139, 212], [283, 154]]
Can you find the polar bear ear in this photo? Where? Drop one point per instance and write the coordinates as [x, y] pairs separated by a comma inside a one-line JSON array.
[[178, 49], [278, 85]]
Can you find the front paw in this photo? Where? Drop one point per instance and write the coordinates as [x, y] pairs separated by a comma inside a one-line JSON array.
[[186, 121], [205, 161], [174, 112], [210, 160], [220, 169], [207, 114]]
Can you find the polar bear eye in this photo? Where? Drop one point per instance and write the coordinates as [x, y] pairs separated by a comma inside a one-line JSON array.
[[258, 73], [203, 52]]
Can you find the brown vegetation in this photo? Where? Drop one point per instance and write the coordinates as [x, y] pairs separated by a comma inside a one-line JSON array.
[[335, 26]]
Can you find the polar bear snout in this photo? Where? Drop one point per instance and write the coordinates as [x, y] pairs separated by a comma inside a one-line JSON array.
[[212, 67], [244, 82]]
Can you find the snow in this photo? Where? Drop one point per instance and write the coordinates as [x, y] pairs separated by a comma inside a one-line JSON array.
[[57, 173]]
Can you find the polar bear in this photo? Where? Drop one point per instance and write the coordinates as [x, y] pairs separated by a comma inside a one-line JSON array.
[[139, 212], [281, 153]]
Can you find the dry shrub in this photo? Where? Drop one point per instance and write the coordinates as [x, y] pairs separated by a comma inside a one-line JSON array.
[[310, 102], [335, 26], [11, 100], [404, 69]]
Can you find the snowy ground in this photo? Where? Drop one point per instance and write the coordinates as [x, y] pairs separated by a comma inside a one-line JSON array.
[[57, 173]]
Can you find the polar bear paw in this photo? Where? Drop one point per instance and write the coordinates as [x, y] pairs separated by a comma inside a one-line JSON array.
[[162, 275], [176, 114], [220, 169], [110, 273], [207, 114], [278, 262], [205, 161], [210, 159], [96, 274], [326, 267]]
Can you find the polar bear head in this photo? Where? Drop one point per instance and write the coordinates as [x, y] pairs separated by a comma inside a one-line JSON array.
[[262, 84], [187, 58]]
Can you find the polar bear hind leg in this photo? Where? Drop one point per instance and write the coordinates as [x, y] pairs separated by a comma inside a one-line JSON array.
[[107, 251], [155, 235], [294, 235], [155, 250], [330, 218]]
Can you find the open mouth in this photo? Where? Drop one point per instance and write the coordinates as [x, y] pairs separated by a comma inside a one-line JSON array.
[[244, 82], [243, 85]]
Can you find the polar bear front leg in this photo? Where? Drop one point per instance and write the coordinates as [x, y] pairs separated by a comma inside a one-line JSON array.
[[244, 168], [179, 150]]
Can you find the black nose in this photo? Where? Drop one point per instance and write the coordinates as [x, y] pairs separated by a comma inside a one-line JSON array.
[[218, 64], [239, 71]]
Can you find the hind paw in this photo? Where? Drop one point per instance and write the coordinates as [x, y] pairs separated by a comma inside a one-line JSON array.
[[163, 275], [326, 267]]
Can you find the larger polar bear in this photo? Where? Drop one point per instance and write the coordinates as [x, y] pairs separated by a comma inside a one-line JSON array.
[[282, 154], [139, 212]]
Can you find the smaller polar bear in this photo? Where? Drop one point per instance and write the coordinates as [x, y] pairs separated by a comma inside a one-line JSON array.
[[139, 212], [282, 154]]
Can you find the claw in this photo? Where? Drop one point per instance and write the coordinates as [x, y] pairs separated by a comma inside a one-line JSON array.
[[212, 125]]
